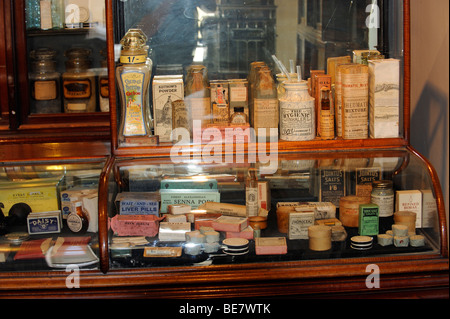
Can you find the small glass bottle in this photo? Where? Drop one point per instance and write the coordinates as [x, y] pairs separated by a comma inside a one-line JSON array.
[[326, 116], [79, 82], [383, 195], [45, 82], [198, 95], [251, 193], [297, 113], [133, 75], [265, 104], [78, 221], [238, 117]]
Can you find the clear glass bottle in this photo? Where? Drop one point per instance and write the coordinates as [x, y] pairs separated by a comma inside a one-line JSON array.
[[133, 75], [58, 14], [326, 115], [79, 82], [238, 117], [383, 195], [251, 193], [198, 96], [265, 104], [44, 82], [77, 221], [297, 113]]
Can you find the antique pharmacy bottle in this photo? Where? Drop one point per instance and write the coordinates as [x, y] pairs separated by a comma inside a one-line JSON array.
[[265, 104], [77, 221], [33, 14], [78, 82], [239, 117], [45, 81], [133, 76], [251, 193], [198, 95], [326, 115], [252, 78], [297, 113], [383, 195]]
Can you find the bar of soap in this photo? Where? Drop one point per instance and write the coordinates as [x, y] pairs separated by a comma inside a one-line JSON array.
[[417, 240], [385, 239], [401, 241], [400, 230]]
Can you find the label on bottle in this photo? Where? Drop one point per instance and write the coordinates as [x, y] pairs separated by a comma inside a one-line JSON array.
[[76, 106], [77, 89], [45, 90], [74, 222], [131, 59], [265, 114], [104, 87], [326, 124], [251, 201], [297, 121], [133, 85], [385, 204], [200, 109]]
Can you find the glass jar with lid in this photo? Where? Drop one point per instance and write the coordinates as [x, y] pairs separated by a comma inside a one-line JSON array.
[[79, 82], [45, 82], [383, 195]]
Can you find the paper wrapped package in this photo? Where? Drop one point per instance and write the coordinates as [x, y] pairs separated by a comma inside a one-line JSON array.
[[135, 225]]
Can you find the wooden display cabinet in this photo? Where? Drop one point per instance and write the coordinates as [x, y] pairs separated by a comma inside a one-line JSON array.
[[301, 273], [21, 121]]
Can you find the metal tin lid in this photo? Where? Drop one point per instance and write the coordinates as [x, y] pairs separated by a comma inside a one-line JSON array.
[[382, 184]]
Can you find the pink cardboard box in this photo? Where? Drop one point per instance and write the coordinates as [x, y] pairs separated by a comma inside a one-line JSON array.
[[135, 225], [247, 233]]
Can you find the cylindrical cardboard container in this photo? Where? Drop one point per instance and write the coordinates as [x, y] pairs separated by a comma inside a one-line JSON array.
[[257, 222], [319, 237], [349, 209], [283, 218], [406, 218]]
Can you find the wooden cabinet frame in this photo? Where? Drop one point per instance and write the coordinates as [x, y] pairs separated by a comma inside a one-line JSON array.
[[414, 276]]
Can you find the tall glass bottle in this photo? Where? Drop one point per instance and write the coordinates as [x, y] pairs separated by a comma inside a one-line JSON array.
[[251, 193], [33, 14], [198, 95], [265, 104], [45, 80], [133, 75], [79, 82]]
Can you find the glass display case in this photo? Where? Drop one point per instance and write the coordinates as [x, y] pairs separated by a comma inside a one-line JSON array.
[[338, 46], [198, 212], [57, 76], [49, 215], [258, 148]]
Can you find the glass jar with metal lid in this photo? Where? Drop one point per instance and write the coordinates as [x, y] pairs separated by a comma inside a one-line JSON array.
[[383, 195]]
